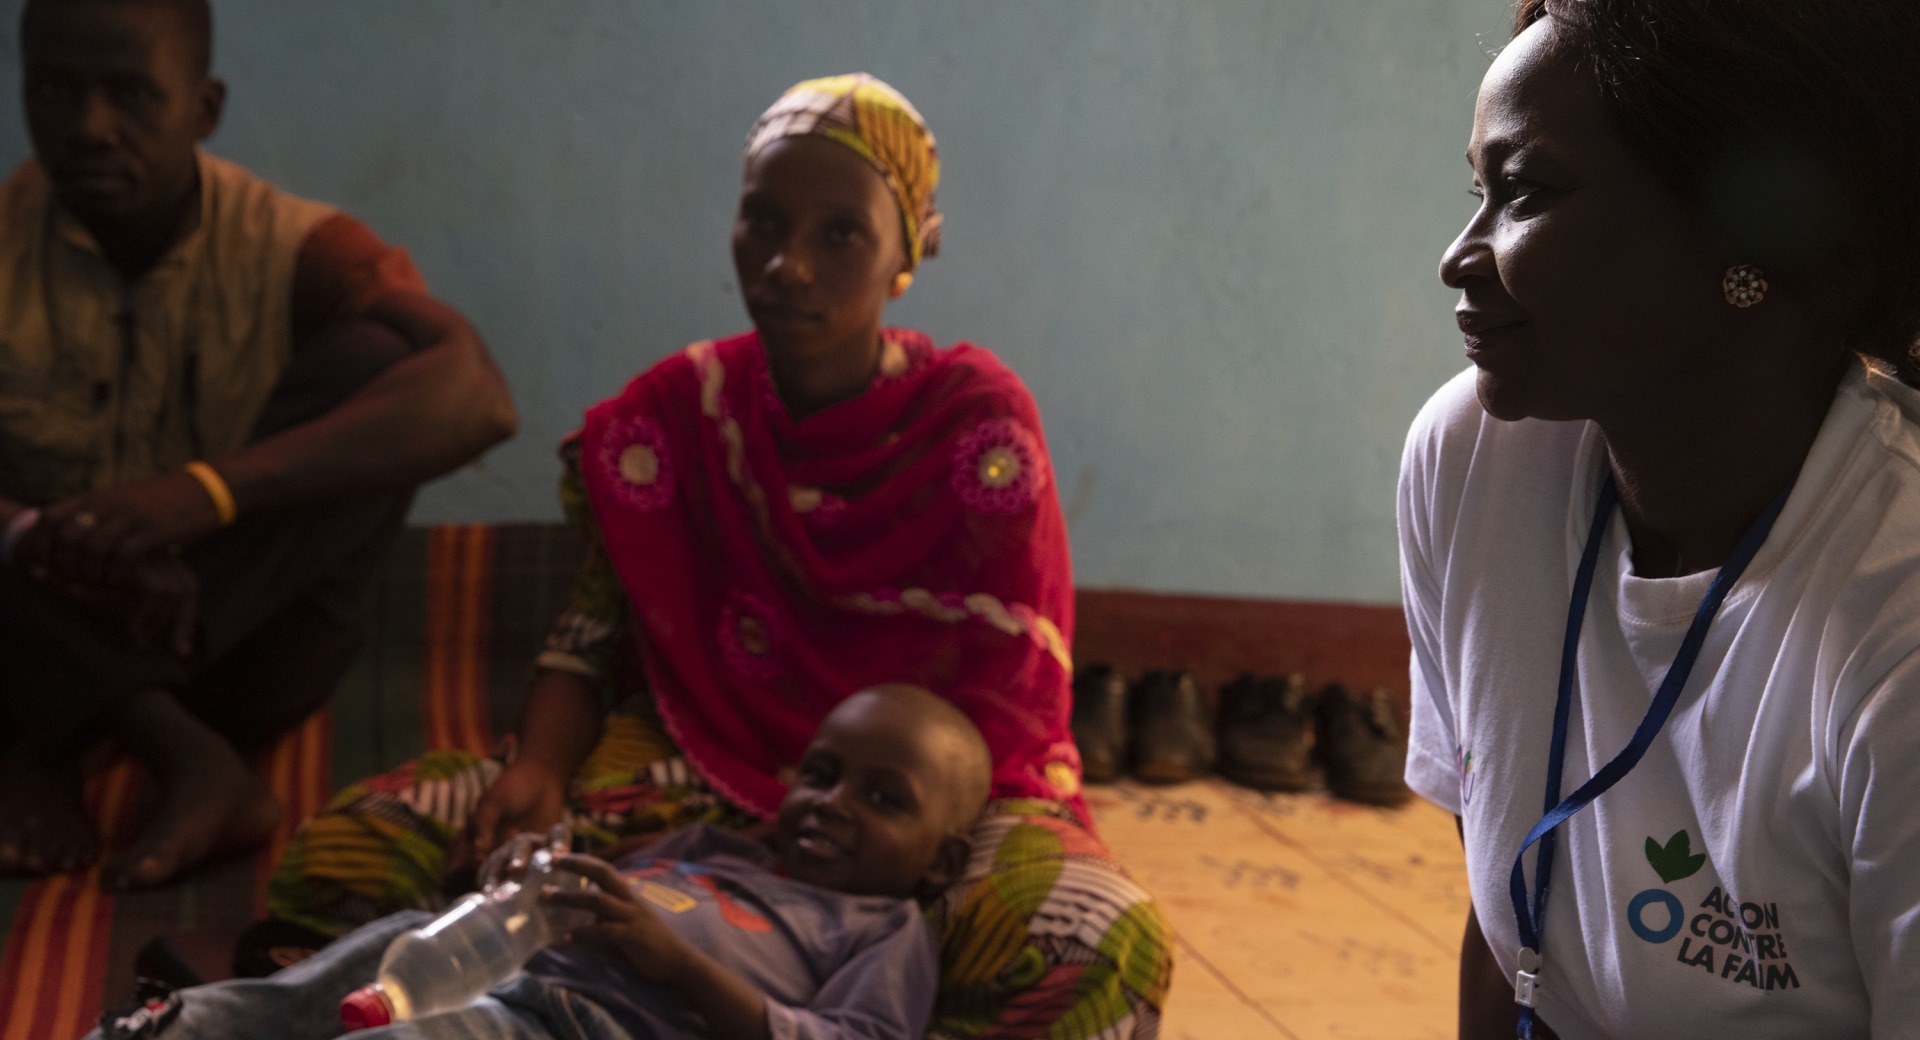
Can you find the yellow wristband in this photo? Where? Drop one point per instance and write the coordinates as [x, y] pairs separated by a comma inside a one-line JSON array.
[[217, 490]]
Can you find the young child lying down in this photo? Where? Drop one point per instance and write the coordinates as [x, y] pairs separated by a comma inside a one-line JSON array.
[[707, 933]]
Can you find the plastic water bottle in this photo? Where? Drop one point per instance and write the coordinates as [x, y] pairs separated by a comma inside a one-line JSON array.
[[477, 944]]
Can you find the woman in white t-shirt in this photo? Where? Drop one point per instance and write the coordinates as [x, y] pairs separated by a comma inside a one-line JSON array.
[[1661, 544]]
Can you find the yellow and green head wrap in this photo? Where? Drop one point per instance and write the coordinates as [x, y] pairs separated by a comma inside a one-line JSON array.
[[874, 120]]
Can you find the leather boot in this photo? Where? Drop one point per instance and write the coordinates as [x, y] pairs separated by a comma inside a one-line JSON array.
[[1266, 732], [1100, 721], [1362, 746], [1172, 728]]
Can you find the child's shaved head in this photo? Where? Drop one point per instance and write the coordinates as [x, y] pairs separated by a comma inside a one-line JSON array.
[[885, 797], [967, 762]]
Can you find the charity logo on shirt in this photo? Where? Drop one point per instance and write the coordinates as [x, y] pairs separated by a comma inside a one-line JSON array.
[[1741, 943]]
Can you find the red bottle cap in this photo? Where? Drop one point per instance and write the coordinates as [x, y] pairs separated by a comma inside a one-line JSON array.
[[365, 1008]]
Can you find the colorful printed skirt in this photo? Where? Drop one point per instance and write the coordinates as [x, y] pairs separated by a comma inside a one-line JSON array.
[[1044, 936]]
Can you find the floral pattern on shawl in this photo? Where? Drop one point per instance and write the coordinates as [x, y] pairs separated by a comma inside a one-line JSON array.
[[750, 638], [634, 456], [999, 467]]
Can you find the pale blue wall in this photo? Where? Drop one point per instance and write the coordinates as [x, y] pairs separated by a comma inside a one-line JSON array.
[[1204, 231]]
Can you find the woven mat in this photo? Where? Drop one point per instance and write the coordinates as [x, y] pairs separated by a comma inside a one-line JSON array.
[[460, 613]]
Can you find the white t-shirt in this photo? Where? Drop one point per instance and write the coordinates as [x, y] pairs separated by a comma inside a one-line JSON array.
[[1758, 874]]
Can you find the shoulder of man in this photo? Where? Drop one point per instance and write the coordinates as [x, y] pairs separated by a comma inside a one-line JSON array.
[[26, 185], [23, 201], [247, 207], [333, 266]]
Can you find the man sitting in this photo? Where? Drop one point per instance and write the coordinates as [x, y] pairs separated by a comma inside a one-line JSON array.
[[215, 401]]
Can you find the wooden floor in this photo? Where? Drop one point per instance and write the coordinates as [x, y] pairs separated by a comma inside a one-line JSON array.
[[1298, 916]]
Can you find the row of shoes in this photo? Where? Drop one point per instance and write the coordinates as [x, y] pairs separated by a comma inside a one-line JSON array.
[[1270, 733]]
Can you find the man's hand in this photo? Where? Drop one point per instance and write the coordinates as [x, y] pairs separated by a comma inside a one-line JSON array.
[[160, 597], [97, 540], [526, 798], [622, 922]]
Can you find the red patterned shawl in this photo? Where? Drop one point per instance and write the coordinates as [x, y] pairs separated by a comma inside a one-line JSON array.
[[909, 534]]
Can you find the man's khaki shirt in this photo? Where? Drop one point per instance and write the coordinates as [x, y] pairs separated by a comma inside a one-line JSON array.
[[103, 381]]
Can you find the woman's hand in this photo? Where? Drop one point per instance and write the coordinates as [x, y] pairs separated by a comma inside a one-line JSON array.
[[528, 797], [622, 922]]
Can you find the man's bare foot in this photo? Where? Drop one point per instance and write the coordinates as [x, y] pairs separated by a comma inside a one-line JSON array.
[[44, 827], [211, 804]]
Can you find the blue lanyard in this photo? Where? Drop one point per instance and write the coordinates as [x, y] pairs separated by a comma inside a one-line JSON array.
[[1532, 918]]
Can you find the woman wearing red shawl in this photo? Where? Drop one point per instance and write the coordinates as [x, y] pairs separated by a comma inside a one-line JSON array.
[[775, 521], [776, 565]]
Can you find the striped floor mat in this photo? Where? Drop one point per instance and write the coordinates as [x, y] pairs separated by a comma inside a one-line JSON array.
[[459, 614]]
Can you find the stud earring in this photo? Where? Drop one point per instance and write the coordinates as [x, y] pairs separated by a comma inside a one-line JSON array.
[[901, 282], [1744, 285]]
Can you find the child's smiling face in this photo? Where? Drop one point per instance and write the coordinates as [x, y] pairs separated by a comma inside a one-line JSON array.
[[883, 798]]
